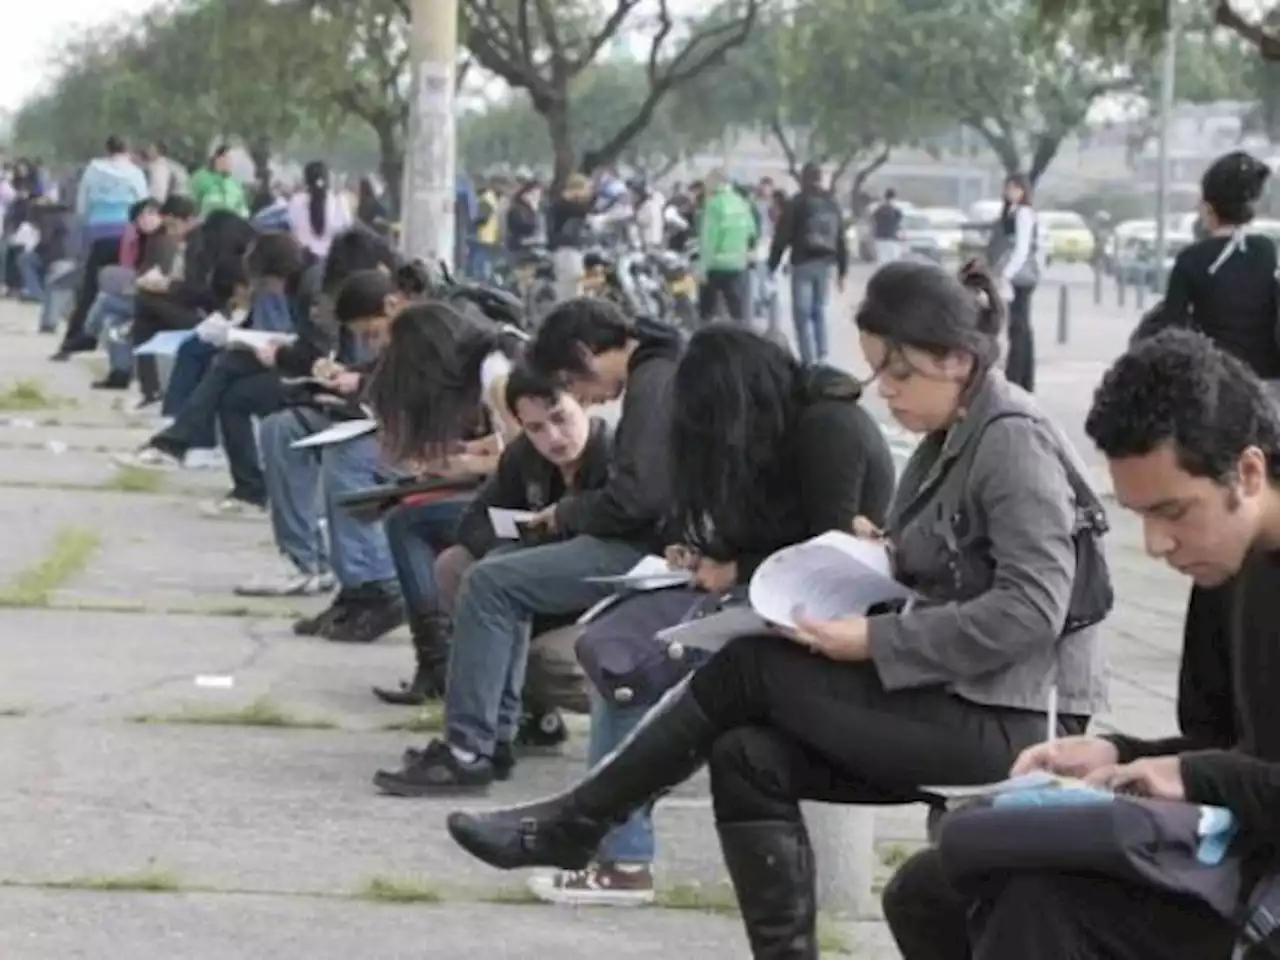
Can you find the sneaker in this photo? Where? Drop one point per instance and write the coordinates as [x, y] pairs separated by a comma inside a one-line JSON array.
[[232, 508], [437, 771], [287, 581], [147, 401], [202, 459], [115, 380], [541, 732], [148, 458], [368, 621], [599, 885]]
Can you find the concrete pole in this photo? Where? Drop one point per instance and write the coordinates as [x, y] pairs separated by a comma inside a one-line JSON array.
[[427, 218], [1168, 74]]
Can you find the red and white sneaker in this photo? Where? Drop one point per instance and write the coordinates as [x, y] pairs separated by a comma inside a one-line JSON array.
[[599, 885]]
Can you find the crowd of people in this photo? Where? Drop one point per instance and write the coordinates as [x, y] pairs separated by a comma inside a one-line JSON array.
[[728, 448]]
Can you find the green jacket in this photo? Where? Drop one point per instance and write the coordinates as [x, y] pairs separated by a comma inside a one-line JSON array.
[[727, 233], [218, 191]]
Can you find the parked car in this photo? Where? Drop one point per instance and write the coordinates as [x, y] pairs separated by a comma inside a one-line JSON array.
[[946, 224], [976, 233], [1065, 236], [1117, 248]]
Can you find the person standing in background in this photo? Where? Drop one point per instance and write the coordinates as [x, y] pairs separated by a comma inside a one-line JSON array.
[[214, 187], [812, 228], [316, 213], [727, 233], [1020, 272], [566, 233], [886, 228], [486, 233], [165, 177], [110, 186]]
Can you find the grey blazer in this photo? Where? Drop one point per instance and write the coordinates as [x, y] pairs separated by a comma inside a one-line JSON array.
[[982, 528]]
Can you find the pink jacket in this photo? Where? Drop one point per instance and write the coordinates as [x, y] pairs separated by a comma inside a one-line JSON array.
[[130, 247]]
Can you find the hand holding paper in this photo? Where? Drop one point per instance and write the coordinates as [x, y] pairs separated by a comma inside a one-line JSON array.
[[507, 523]]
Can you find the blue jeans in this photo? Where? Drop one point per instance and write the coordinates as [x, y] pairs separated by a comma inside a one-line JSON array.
[[60, 283], [810, 283], [632, 841], [499, 597], [359, 550], [293, 486], [109, 320], [481, 258], [415, 534], [190, 365], [29, 270]]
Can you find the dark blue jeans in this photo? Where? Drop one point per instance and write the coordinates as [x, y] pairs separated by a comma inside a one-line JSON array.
[[416, 534]]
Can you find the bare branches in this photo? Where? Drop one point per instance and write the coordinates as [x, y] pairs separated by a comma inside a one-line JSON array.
[[1252, 31]]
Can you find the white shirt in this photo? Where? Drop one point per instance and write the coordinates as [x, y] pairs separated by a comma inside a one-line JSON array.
[[1024, 230], [337, 218]]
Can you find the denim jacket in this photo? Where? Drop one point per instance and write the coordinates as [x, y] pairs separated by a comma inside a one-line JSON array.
[[982, 525]]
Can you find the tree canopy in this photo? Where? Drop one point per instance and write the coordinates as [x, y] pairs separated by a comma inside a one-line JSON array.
[[1111, 22]]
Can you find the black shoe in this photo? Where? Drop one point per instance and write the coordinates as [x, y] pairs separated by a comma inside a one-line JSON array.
[[367, 621], [504, 760], [325, 619], [667, 748], [115, 380], [771, 865], [541, 732], [431, 650], [436, 771]]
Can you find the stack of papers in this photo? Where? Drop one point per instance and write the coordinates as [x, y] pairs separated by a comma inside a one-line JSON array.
[[256, 339]]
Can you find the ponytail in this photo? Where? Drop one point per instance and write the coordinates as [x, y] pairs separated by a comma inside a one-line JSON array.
[[316, 175]]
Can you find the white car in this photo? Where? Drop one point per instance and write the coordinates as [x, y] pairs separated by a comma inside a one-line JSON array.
[[946, 227]]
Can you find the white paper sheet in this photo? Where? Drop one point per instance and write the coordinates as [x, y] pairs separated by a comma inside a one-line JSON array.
[[338, 433], [831, 576], [164, 344], [651, 573], [1028, 781], [506, 523], [255, 339], [715, 630]]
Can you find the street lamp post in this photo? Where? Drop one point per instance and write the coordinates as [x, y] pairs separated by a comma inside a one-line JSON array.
[[1168, 75], [427, 217]]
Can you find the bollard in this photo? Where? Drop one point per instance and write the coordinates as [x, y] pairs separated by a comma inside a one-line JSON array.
[[1097, 287], [844, 844], [1140, 293], [1120, 291], [1064, 314]]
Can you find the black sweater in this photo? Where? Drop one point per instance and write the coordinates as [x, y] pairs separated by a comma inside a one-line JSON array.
[[635, 501], [1230, 742], [835, 465], [526, 480], [1235, 306]]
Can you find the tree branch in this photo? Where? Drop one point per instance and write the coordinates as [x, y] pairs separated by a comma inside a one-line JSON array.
[[1267, 43]]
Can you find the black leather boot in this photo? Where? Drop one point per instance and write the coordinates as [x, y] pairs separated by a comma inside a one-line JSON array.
[[771, 865], [667, 748], [431, 651]]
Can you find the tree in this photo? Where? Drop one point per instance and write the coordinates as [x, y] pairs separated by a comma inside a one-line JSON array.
[[1020, 88], [832, 82], [512, 134], [1111, 22], [543, 46]]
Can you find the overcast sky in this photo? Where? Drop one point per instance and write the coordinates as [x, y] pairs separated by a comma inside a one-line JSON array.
[[31, 32]]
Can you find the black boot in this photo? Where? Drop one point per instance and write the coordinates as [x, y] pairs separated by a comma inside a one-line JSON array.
[[667, 748], [771, 865], [431, 650]]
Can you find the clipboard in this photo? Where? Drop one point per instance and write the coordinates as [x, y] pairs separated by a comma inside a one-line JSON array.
[[371, 504]]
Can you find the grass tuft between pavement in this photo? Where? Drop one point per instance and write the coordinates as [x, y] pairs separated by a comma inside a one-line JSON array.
[[68, 555], [260, 713]]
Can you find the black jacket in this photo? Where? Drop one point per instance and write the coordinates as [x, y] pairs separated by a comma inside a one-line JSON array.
[[526, 480], [790, 232], [835, 465], [635, 500], [1230, 736]]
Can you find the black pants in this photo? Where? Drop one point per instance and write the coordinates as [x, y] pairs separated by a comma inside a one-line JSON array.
[[730, 284], [153, 313], [1048, 917], [1020, 364], [798, 726], [102, 253]]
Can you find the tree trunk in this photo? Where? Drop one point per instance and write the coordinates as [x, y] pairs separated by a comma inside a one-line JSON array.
[[564, 162], [260, 154], [391, 166]]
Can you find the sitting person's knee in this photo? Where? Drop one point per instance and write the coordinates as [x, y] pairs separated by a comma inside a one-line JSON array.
[[750, 775], [450, 568]]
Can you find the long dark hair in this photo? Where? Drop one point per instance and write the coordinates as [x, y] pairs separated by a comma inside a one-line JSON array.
[[316, 175], [734, 399], [425, 391]]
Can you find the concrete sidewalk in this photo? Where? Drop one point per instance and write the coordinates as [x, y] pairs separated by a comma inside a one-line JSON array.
[[128, 831]]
